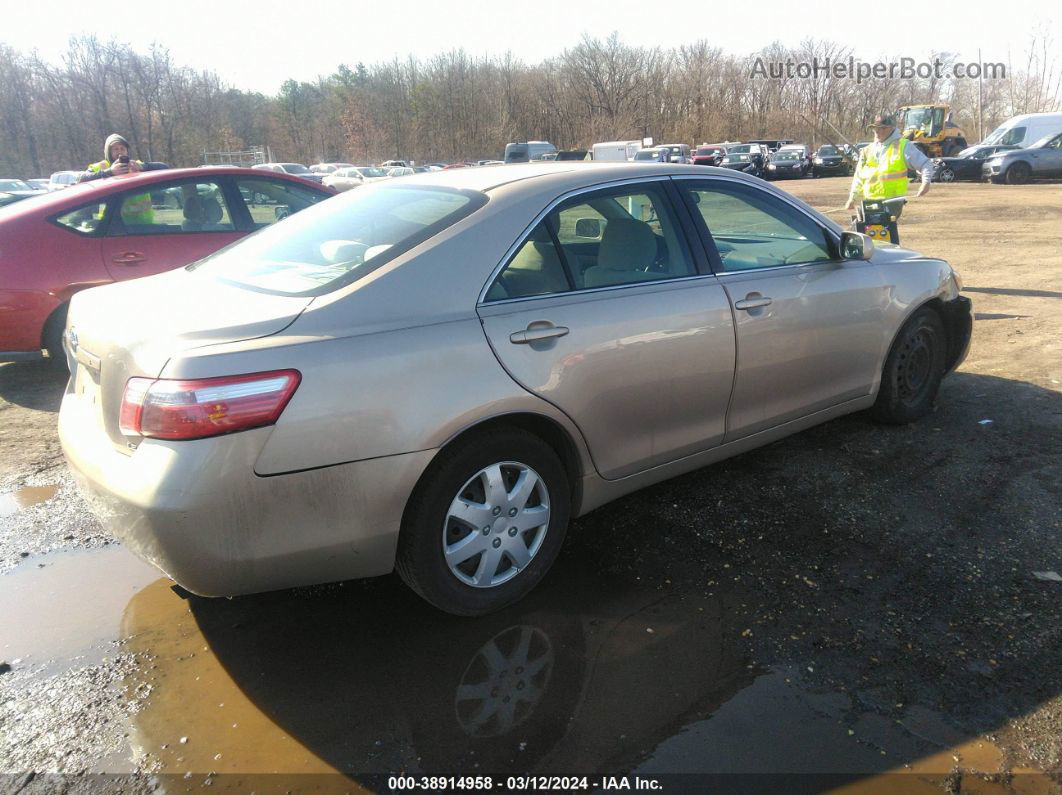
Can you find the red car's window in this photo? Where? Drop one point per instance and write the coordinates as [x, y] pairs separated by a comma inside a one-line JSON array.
[[188, 207], [85, 220]]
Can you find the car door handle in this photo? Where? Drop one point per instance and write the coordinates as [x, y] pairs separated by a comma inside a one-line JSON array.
[[129, 258], [537, 334], [752, 303]]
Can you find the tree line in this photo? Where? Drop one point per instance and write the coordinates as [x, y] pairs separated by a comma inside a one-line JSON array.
[[453, 106]]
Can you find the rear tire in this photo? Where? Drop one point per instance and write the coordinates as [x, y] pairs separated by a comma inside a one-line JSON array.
[[946, 174], [913, 370], [489, 577], [1018, 174]]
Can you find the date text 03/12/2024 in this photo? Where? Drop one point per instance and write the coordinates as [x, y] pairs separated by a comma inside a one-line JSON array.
[[521, 783]]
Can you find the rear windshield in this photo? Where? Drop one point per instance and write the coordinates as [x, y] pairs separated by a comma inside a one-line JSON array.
[[341, 240]]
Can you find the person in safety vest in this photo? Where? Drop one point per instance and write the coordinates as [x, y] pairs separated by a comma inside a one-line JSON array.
[[881, 172], [116, 162]]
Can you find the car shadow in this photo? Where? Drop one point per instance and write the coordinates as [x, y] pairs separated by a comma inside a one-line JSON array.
[[1013, 291], [36, 385], [846, 601]]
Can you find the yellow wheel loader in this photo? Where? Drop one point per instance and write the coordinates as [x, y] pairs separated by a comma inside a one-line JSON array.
[[930, 128]]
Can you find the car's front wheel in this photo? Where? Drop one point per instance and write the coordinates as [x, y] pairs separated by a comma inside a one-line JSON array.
[[913, 370], [485, 523]]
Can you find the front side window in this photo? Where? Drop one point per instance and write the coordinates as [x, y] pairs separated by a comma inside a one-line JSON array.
[[752, 229], [188, 207], [339, 241]]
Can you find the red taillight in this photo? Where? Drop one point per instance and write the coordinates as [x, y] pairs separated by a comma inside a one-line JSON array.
[[195, 409]]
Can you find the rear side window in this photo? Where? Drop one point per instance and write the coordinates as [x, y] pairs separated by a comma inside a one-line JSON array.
[[86, 220], [340, 240]]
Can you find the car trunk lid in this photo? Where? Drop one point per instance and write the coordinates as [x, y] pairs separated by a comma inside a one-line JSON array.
[[133, 328]]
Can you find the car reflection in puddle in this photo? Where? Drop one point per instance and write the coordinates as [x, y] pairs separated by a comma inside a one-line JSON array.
[[364, 678], [587, 675]]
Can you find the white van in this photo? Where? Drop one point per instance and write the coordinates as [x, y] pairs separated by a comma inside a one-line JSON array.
[[1023, 131], [615, 151]]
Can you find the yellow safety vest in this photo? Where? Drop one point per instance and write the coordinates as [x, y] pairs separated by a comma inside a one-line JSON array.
[[885, 178], [135, 209]]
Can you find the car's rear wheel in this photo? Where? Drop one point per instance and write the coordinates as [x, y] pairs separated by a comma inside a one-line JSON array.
[[485, 523], [913, 370], [1018, 174], [946, 174]]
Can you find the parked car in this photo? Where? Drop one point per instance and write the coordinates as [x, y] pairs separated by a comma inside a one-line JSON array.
[[19, 187], [296, 409], [344, 179], [39, 184], [58, 243], [968, 164], [372, 173], [751, 163], [830, 161], [680, 153], [295, 169], [708, 155], [654, 154], [1041, 160], [787, 164], [400, 171], [394, 164], [62, 179], [526, 151], [325, 169]]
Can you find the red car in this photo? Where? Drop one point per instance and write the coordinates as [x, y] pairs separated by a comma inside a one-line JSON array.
[[121, 228], [708, 155]]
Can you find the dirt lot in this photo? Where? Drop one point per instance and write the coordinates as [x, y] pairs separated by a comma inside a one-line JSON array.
[[857, 600]]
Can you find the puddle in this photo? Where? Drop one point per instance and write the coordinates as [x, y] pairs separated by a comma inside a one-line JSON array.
[[16, 501], [587, 675], [69, 612]]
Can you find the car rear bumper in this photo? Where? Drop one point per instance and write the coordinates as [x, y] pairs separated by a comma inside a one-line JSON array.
[[197, 510]]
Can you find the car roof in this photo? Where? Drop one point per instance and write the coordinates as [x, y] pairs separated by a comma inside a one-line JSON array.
[[556, 177], [83, 191]]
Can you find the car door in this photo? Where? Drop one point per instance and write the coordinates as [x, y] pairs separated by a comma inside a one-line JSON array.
[[166, 225], [1048, 161], [630, 340], [809, 326]]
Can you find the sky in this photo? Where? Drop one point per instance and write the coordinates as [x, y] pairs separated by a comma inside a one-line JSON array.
[[258, 45]]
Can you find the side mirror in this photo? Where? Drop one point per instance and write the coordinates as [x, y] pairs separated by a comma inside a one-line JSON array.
[[856, 246], [588, 227]]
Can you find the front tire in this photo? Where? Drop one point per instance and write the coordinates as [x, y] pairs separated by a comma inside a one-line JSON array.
[[913, 370], [485, 523]]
